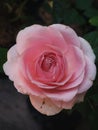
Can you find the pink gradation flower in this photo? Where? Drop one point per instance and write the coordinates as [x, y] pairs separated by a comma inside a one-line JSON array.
[[52, 65]]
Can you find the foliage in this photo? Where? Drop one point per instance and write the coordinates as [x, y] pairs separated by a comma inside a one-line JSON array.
[[81, 15], [94, 20]]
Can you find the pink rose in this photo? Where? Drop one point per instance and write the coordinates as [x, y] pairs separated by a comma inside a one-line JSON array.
[[52, 65]]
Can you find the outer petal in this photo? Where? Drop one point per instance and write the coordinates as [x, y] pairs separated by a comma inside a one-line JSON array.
[[72, 84], [65, 96], [76, 62], [41, 34], [45, 106], [85, 46], [68, 105], [12, 69], [68, 34], [12, 53], [90, 73]]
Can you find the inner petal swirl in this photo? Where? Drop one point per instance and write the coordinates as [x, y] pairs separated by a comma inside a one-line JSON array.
[[48, 61]]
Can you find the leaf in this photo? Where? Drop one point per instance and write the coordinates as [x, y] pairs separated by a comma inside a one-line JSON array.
[[83, 4], [71, 16], [64, 13], [3, 57], [94, 21], [90, 12], [58, 10]]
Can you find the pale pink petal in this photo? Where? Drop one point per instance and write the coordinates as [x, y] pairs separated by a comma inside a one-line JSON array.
[[12, 53], [65, 96], [85, 46], [87, 83], [26, 87], [65, 105], [68, 105], [44, 105], [90, 73], [68, 34], [35, 43], [26, 33], [48, 35], [72, 84], [12, 69], [11, 66], [76, 62]]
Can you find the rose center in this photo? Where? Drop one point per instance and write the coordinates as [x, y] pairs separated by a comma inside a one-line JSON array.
[[48, 62]]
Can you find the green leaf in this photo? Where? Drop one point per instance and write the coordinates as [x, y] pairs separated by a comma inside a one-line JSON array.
[[64, 13], [3, 57], [83, 4], [58, 10], [90, 12], [94, 21], [71, 16]]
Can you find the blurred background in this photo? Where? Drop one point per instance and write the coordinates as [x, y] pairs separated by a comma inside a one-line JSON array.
[[16, 111]]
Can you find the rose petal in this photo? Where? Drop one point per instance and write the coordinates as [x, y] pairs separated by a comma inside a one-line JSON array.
[[90, 73], [65, 96], [72, 84], [12, 53], [12, 69], [45, 106], [9, 68], [35, 34], [68, 105], [85, 46], [76, 62], [68, 34]]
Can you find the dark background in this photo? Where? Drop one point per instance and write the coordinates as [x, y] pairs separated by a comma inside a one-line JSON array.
[[16, 113]]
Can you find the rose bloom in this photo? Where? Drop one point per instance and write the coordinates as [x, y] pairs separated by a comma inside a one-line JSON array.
[[52, 65]]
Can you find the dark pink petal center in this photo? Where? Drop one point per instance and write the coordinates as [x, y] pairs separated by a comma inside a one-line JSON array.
[[48, 61]]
